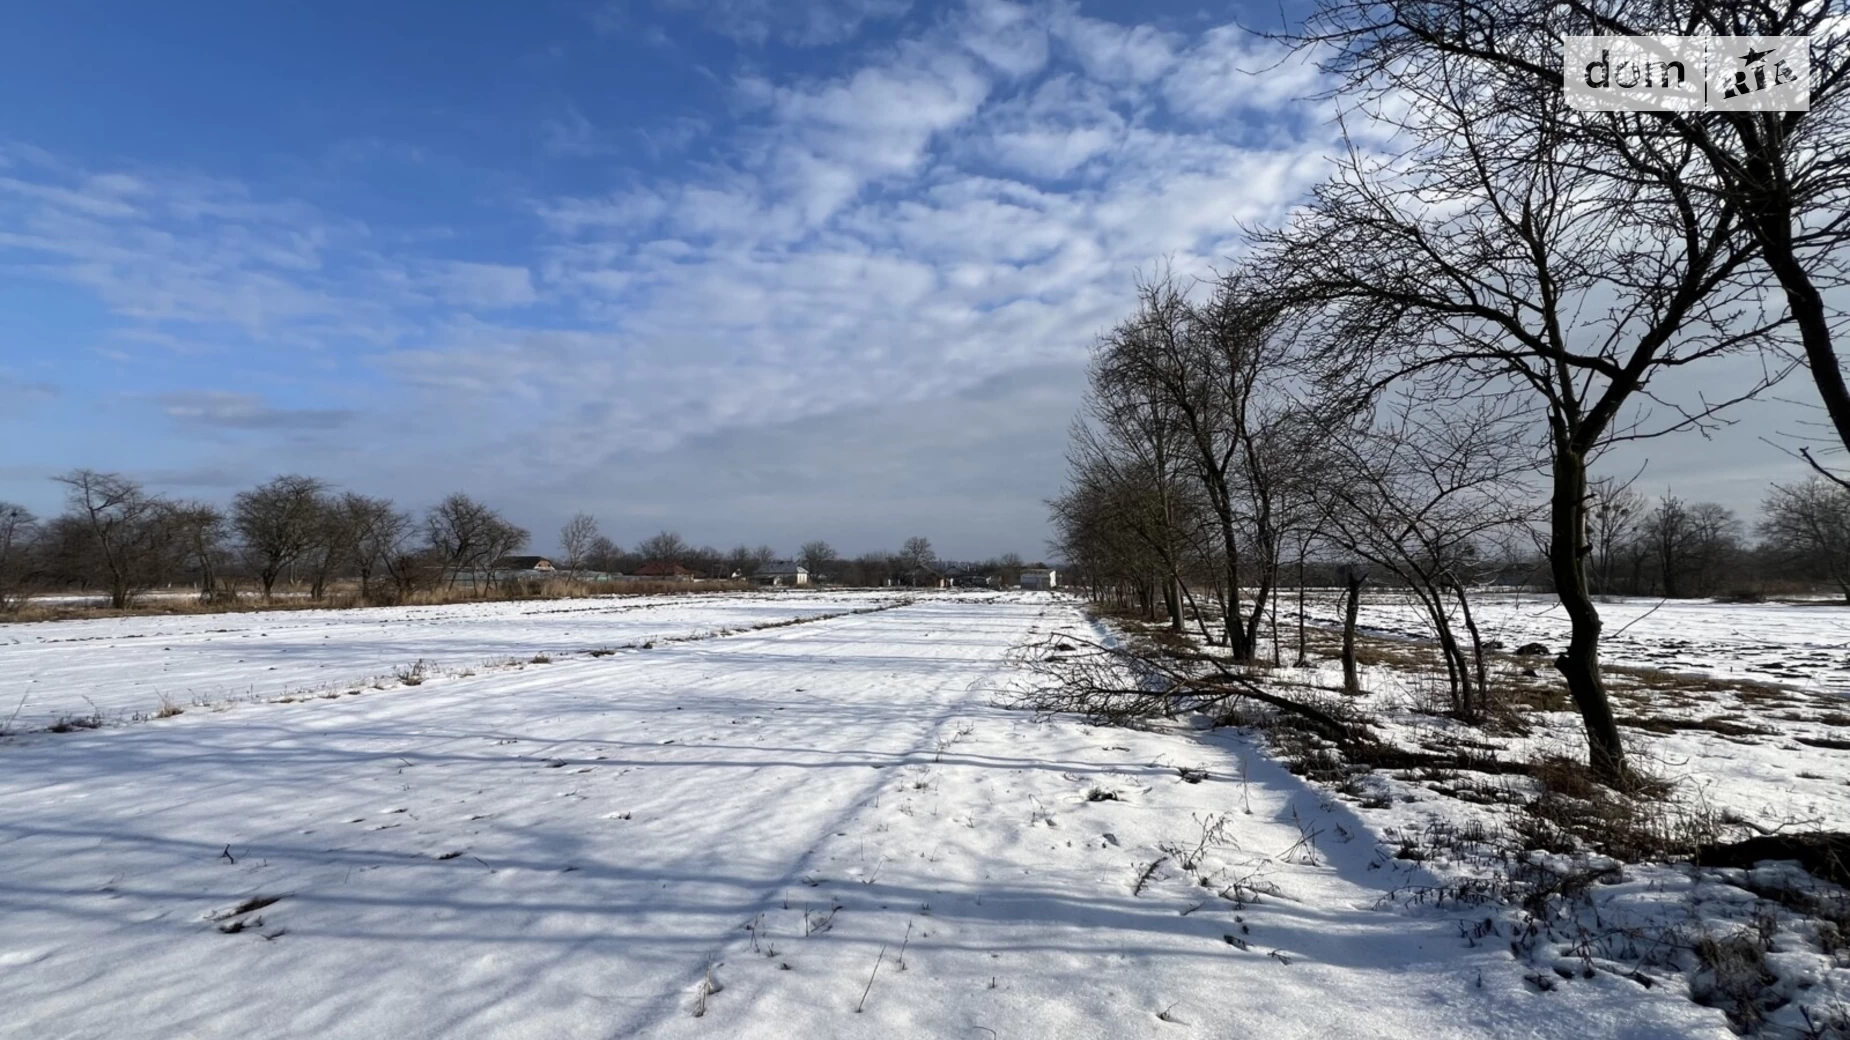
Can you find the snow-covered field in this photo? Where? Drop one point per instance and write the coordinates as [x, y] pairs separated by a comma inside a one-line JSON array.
[[124, 666], [821, 830], [1806, 646]]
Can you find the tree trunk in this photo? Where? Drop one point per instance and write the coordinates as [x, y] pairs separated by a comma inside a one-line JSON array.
[[1172, 599], [1352, 683], [1457, 670], [208, 581], [1481, 669], [1275, 639], [1200, 624], [1237, 642], [1303, 659], [1261, 596], [1579, 665], [1772, 222]]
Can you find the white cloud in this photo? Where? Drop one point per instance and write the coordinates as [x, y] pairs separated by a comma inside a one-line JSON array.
[[241, 411], [1055, 129], [926, 220], [1118, 54], [166, 248], [1228, 69], [950, 209], [571, 135], [490, 286], [799, 23]]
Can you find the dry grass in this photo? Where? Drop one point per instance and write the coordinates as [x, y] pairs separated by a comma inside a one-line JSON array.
[[347, 597]]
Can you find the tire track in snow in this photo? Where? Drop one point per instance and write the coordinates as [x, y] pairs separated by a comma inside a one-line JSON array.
[[945, 695]]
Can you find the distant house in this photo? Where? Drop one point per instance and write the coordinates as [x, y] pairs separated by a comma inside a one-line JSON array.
[[664, 571], [929, 578], [523, 563], [782, 572], [1043, 578]]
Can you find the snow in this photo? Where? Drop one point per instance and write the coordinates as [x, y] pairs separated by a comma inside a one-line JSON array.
[[1803, 645], [122, 666], [1778, 673], [828, 829]]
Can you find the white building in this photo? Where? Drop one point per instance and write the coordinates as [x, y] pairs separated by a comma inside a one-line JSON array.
[[783, 572], [1043, 578]]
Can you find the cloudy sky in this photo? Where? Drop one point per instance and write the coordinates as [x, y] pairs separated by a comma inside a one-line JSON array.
[[755, 270]]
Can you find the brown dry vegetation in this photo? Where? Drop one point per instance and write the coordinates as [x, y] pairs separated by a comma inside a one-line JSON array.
[[348, 597]]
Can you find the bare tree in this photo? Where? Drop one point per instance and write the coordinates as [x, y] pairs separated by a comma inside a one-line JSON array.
[[17, 529], [331, 545], [1419, 494], [575, 540], [199, 529], [745, 561], [875, 569], [1132, 443], [376, 533], [707, 562], [1613, 513], [1810, 523], [1780, 174], [117, 528], [501, 539], [604, 555], [917, 552], [278, 522], [1690, 545], [1007, 570], [469, 537], [1132, 536], [665, 547], [815, 557], [1209, 377], [1541, 277], [1667, 532]]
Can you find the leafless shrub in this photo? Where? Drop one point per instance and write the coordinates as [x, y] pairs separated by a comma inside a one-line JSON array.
[[1119, 685], [1732, 973], [1213, 835]]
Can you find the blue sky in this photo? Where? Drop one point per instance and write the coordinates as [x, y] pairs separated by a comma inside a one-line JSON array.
[[754, 271]]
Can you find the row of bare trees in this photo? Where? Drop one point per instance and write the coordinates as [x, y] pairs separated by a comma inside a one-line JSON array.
[[584, 548], [1211, 454], [1674, 548], [1490, 294], [118, 536]]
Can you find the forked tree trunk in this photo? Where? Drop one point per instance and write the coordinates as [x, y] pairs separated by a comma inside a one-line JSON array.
[[1261, 597], [1579, 665], [1481, 668]]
